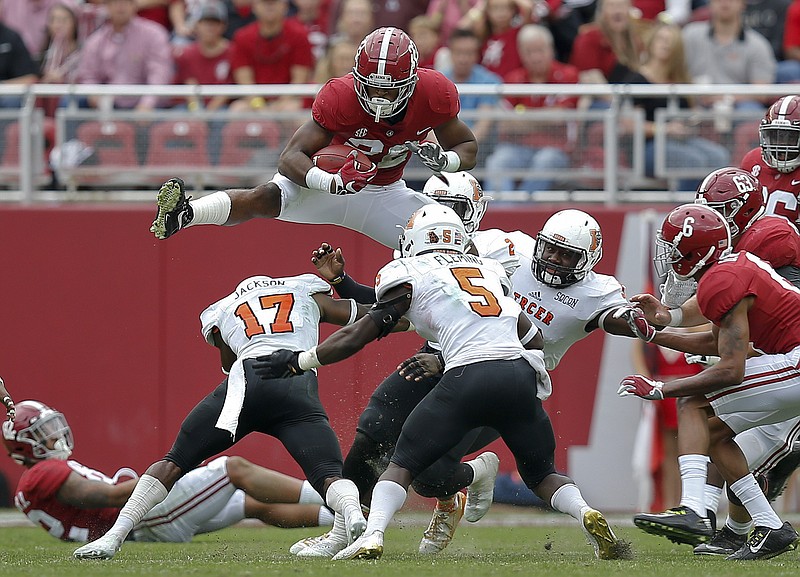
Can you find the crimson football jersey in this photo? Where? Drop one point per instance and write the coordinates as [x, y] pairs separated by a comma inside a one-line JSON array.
[[774, 318], [782, 188], [36, 498], [773, 240], [337, 109]]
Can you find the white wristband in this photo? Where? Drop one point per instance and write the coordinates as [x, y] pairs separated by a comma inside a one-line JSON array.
[[676, 317], [353, 312], [318, 179], [453, 161], [308, 359], [532, 332]]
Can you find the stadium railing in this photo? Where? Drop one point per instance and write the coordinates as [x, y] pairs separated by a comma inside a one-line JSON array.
[[120, 155]]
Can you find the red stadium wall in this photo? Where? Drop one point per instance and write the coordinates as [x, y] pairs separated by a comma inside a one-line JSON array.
[[102, 322]]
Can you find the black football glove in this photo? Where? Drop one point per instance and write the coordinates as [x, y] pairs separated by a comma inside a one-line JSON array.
[[281, 364]]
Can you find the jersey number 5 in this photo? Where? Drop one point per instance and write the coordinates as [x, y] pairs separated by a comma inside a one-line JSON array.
[[284, 303], [487, 306]]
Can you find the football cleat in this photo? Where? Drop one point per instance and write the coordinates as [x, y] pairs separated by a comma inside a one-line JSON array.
[[103, 548], [443, 525], [599, 534], [324, 546], [306, 542], [724, 542], [354, 521], [679, 525], [765, 543], [174, 211], [481, 490], [777, 477], [365, 547]]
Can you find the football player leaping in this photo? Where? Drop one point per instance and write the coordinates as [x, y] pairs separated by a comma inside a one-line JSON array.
[[75, 503], [386, 108], [494, 375], [559, 260]]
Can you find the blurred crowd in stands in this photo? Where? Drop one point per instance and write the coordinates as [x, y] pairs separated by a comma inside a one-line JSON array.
[[157, 42]]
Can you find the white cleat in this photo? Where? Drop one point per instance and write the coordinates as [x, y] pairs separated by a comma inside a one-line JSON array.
[[365, 547], [103, 548], [303, 543], [443, 525], [324, 546], [481, 492]]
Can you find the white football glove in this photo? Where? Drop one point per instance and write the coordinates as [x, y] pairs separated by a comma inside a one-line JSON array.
[[641, 386], [675, 292], [705, 360], [435, 157], [638, 324]]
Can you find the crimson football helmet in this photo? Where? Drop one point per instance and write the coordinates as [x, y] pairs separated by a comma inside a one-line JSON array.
[[779, 134], [38, 432], [736, 195], [692, 237], [433, 227], [386, 59], [463, 193], [571, 230]]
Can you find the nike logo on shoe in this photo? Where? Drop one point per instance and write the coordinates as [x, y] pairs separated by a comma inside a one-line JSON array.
[[758, 547]]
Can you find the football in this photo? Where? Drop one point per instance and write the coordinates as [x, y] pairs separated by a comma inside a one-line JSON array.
[[331, 158]]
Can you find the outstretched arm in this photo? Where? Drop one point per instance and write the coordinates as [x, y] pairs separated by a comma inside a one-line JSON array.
[[330, 265]]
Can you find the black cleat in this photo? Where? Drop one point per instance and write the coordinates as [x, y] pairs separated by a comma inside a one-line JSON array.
[[777, 477], [765, 543], [725, 542], [174, 211], [679, 525]]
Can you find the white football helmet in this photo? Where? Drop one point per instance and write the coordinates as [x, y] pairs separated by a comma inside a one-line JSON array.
[[571, 230], [433, 227], [463, 193], [38, 432]]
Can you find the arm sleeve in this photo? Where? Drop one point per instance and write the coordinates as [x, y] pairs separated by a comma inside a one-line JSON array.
[[350, 289]]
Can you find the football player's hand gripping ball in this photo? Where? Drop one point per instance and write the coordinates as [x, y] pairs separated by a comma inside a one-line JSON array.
[[351, 178], [281, 364]]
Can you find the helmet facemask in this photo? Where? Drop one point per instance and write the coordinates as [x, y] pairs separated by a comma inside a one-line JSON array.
[[49, 437], [553, 274], [780, 145]]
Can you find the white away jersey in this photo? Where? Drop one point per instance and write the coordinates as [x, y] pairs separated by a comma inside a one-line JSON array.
[[497, 244], [264, 314], [458, 301], [560, 313]]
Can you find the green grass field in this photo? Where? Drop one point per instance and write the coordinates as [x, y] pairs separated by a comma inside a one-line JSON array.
[[553, 550]]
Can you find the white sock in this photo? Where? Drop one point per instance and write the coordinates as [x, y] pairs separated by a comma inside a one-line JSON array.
[[738, 528], [338, 532], [325, 518], [712, 497], [756, 503], [309, 495], [148, 493], [213, 208], [568, 499], [341, 494], [387, 499], [693, 470]]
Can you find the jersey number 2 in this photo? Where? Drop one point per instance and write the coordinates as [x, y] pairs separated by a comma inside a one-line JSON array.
[[284, 304], [488, 305]]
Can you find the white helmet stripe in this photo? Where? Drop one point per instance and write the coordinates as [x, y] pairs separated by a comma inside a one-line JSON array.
[[385, 43], [784, 105]]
